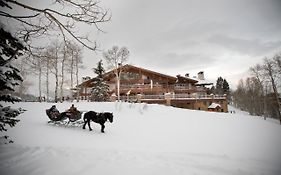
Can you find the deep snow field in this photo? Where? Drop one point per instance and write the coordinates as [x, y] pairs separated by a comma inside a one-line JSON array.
[[143, 139]]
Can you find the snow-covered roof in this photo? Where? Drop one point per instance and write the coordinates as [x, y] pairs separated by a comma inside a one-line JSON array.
[[204, 82], [214, 105], [201, 80]]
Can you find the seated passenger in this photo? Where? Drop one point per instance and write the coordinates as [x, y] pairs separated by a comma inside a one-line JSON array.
[[73, 110], [54, 112]]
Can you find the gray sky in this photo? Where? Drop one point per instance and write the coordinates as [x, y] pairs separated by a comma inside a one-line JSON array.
[[220, 37]]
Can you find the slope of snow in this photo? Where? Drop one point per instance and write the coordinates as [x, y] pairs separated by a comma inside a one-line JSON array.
[[143, 139]]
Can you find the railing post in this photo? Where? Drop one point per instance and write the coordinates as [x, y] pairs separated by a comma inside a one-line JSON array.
[[113, 98], [173, 95], [139, 98], [168, 99]]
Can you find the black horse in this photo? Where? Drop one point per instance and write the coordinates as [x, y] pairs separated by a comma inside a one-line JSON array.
[[100, 118]]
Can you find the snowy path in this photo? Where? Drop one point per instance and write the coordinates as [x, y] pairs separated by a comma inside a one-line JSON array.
[[143, 139]]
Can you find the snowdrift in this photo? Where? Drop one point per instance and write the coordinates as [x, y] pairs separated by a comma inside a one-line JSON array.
[[143, 139]]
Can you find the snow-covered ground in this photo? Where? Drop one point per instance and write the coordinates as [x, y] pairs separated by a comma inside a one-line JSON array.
[[143, 139]]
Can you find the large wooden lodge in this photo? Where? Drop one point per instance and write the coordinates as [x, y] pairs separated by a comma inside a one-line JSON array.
[[142, 85]]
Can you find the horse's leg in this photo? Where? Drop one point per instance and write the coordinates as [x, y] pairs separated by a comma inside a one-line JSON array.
[[102, 127], [89, 124], [84, 125]]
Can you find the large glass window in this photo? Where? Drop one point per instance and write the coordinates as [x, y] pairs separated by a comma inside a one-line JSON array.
[[129, 76]]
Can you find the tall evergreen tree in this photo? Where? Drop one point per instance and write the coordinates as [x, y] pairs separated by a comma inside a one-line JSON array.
[[100, 90], [222, 86], [219, 86], [10, 49], [225, 87]]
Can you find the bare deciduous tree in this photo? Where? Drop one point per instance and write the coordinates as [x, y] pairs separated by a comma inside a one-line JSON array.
[[35, 62], [257, 72], [277, 60], [63, 61], [259, 94], [115, 59], [271, 74], [25, 71]]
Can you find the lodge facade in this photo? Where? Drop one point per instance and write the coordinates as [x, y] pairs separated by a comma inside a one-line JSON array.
[[143, 85]]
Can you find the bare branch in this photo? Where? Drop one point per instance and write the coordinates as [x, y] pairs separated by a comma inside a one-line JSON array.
[[84, 11], [12, 16]]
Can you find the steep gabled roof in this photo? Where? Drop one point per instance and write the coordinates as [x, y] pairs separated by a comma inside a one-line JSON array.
[[182, 79], [87, 83], [130, 68], [152, 74]]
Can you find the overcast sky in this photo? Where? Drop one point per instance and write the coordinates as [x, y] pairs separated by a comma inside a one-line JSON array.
[[220, 37]]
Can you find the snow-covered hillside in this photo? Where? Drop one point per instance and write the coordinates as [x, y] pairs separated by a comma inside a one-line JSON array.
[[143, 139]]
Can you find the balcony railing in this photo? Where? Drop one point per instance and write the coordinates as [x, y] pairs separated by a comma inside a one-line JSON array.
[[159, 87], [197, 96], [140, 86], [175, 96]]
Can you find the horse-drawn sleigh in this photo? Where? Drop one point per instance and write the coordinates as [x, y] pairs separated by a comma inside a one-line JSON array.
[[70, 118]]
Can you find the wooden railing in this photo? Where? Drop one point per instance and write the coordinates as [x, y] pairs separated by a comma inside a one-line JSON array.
[[139, 86], [160, 87], [174, 96], [182, 96]]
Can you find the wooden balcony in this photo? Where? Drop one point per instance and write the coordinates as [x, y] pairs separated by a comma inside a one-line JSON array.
[[142, 88], [159, 88], [176, 97]]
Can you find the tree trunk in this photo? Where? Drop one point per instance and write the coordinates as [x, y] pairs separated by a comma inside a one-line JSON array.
[[47, 80], [118, 87], [270, 72], [40, 79], [276, 97], [56, 77], [71, 70], [62, 74], [77, 80]]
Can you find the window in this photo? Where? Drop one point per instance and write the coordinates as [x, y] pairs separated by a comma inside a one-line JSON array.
[[129, 76]]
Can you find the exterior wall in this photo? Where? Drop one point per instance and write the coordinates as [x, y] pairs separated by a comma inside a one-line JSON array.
[[199, 104], [187, 103], [223, 104]]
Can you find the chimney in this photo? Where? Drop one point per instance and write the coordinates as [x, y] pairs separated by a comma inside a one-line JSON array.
[[201, 75], [85, 78]]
